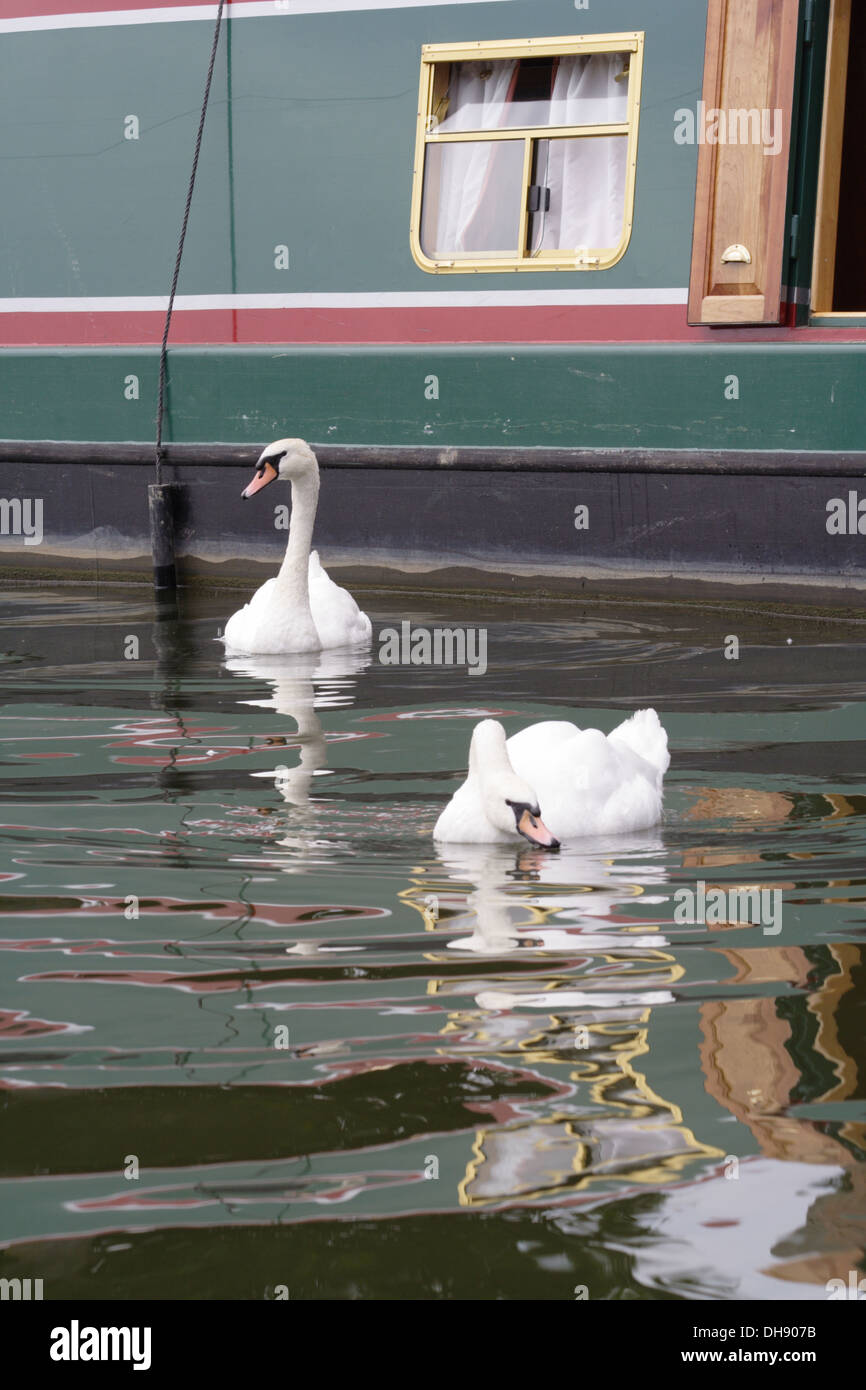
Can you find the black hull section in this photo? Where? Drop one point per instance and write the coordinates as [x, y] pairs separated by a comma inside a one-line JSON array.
[[759, 525]]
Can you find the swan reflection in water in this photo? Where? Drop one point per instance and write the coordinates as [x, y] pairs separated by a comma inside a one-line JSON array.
[[514, 896], [302, 684]]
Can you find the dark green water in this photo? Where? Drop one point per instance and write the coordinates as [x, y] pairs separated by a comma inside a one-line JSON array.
[[345, 1062]]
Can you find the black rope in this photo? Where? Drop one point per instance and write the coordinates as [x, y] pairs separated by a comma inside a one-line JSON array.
[[164, 350]]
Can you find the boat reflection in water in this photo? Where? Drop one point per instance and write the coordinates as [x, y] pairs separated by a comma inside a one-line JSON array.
[[581, 1026], [767, 1056], [778, 1044], [795, 1204]]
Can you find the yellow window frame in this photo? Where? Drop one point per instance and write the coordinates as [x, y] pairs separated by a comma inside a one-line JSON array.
[[581, 258]]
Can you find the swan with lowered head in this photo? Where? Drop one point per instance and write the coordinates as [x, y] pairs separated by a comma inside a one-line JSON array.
[[581, 781], [494, 804], [300, 609]]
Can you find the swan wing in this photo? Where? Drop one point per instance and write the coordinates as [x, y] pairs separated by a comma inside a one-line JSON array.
[[269, 624], [242, 627], [586, 783], [338, 619], [537, 743]]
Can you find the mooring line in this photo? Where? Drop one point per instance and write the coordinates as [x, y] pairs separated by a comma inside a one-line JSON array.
[[159, 498], [164, 349]]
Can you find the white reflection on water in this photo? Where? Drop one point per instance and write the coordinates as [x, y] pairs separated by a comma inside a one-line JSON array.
[[302, 683], [718, 1237], [595, 885]]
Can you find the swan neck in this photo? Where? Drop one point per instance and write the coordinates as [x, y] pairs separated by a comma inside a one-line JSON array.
[[488, 757], [294, 569]]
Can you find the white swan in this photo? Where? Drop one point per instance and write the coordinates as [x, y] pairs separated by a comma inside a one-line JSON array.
[[582, 782], [300, 609]]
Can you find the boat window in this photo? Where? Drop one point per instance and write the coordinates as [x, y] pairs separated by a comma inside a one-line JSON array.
[[525, 154]]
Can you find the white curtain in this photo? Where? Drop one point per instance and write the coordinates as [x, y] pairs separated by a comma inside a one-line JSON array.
[[476, 206], [477, 100], [586, 176]]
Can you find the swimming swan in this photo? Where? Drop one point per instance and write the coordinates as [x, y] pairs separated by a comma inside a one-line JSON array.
[[581, 781], [300, 609]]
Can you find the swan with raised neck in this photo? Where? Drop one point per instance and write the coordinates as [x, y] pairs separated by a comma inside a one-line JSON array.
[[301, 609]]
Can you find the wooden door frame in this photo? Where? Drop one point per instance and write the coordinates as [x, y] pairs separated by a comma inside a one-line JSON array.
[[830, 163]]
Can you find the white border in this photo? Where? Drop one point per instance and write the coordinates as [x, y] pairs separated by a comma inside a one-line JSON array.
[[446, 299], [235, 9]]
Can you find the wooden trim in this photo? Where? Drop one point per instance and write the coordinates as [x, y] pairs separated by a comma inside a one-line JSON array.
[[522, 248], [705, 188], [535, 132], [830, 167], [732, 308], [742, 191], [628, 42]]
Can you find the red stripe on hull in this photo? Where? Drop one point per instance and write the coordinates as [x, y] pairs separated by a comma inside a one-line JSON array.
[[363, 327], [38, 9]]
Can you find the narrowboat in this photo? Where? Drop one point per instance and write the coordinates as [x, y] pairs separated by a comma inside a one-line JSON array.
[[568, 295]]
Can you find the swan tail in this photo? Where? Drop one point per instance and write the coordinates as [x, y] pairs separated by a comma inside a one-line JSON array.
[[644, 735]]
